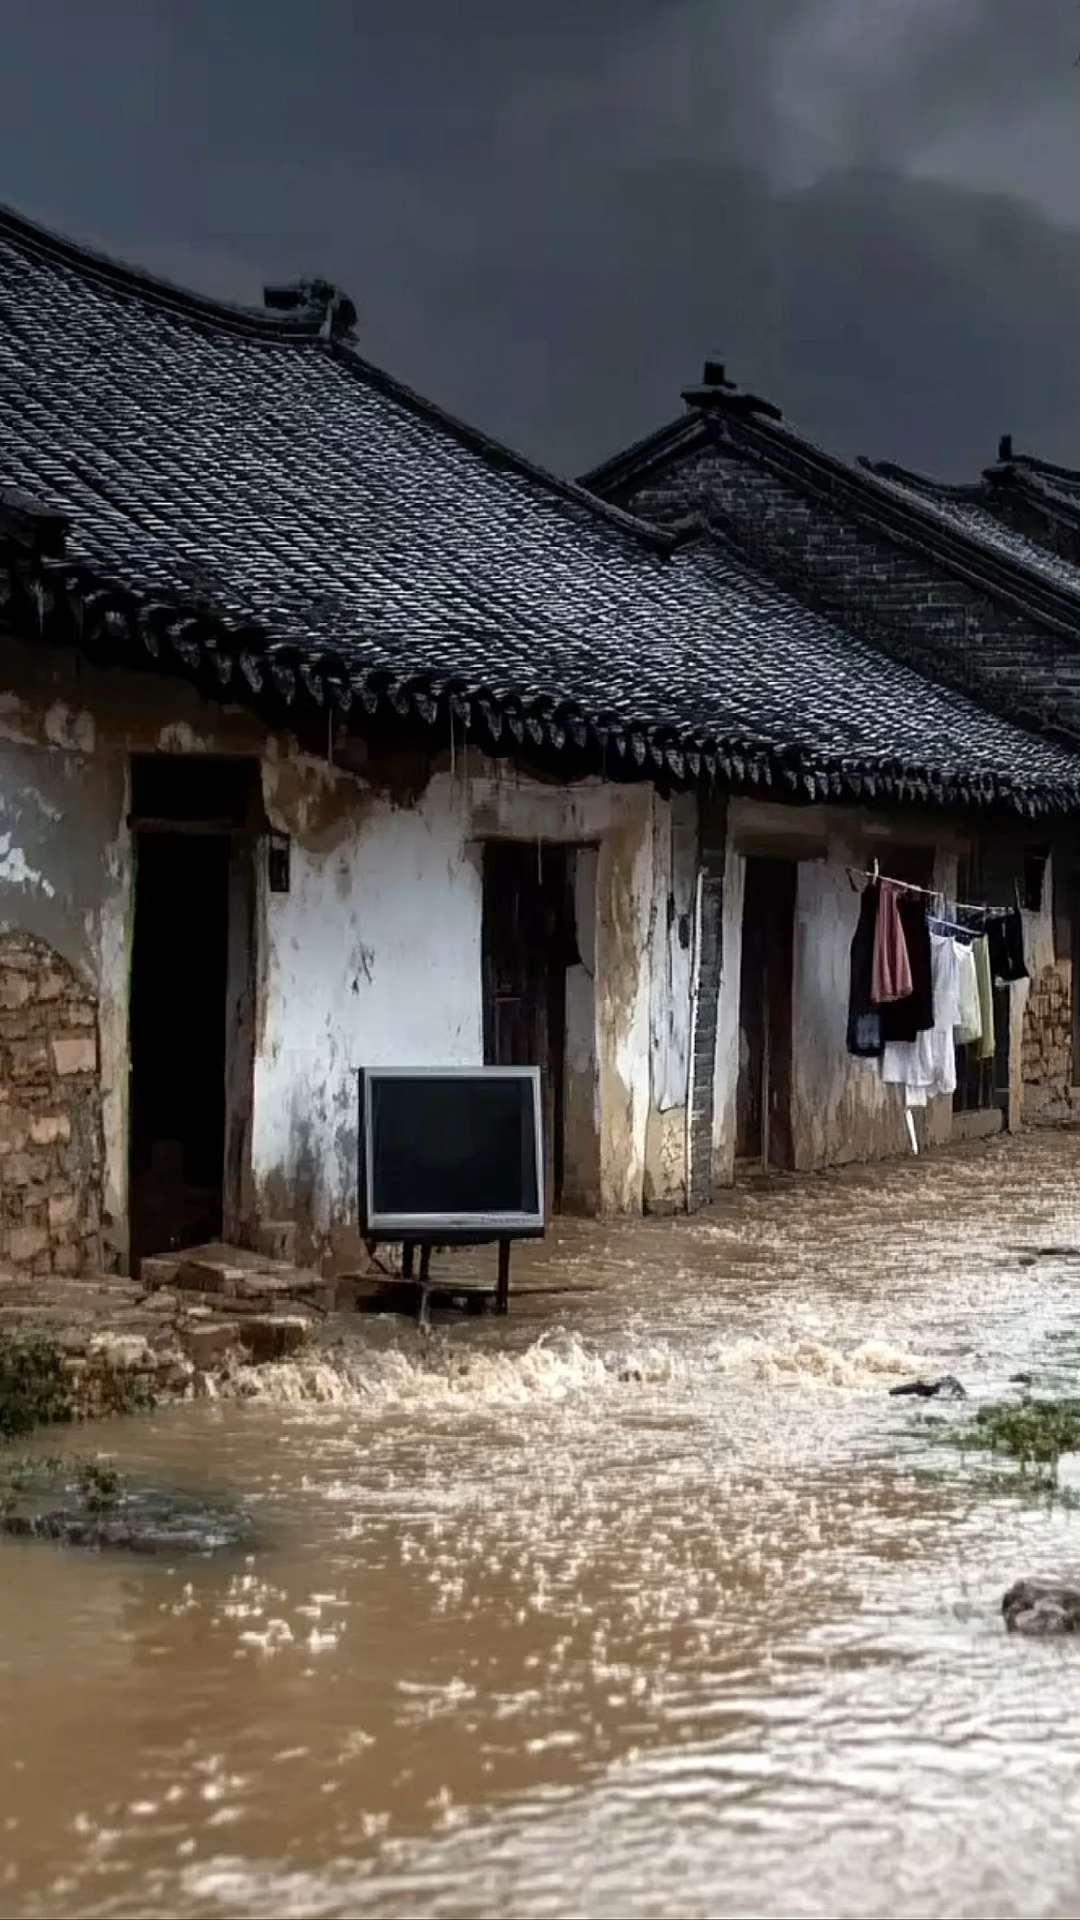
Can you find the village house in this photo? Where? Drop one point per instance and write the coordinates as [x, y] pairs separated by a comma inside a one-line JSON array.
[[333, 734], [976, 587]]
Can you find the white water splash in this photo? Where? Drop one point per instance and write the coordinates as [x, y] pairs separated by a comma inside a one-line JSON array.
[[555, 1368], [816, 1363]]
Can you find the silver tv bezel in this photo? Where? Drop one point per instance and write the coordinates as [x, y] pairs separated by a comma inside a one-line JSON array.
[[403, 1226]]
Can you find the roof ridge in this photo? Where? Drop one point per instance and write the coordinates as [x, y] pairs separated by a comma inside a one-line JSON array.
[[883, 481], [974, 491], [1035, 487], [1037, 465], [651, 445], [121, 277], [996, 568], [303, 329]]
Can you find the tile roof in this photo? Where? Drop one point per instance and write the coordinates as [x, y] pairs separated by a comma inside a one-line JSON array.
[[877, 708], [973, 509], [250, 502], [901, 505]]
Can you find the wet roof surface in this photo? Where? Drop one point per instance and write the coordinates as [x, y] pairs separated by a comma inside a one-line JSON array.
[[246, 463]]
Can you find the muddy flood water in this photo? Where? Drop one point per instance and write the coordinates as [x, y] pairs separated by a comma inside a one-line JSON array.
[[647, 1601]]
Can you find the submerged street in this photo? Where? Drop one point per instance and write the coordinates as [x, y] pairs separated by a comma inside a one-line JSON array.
[[647, 1600]]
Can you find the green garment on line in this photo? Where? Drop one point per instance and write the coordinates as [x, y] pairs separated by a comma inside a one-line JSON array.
[[987, 1046]]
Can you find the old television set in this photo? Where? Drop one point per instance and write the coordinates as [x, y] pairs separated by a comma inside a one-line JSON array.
[[451, 1154]]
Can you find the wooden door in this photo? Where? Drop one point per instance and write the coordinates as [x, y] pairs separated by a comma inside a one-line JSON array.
[[763, 1096], [528, 943]]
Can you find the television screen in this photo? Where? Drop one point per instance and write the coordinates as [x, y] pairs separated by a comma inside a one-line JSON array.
[[451, 1150]]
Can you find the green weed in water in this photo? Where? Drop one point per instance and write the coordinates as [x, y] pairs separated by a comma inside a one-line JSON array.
[[1035, 1433], [98, 1484], [34, 1387]]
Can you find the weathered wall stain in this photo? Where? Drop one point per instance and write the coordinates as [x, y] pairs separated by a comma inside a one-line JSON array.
[[320, 806], [624, 913]]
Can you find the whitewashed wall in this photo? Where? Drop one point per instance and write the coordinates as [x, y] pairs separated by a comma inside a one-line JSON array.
[[841, 1110], [374, 957], [371, 959]]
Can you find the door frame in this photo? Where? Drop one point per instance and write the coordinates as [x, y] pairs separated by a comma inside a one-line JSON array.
[[240, 1008], [775, 900], [549, 981]]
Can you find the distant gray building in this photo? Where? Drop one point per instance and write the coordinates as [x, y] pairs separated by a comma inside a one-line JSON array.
[[976, 587]]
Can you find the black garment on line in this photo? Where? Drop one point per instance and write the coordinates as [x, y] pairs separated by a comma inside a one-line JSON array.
[[906, 1019], [1005, 932], [864, 1019]]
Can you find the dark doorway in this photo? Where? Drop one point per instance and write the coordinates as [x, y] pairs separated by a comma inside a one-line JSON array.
[[528, 944], [987, 874], [191, 1030], [763, 1098], [178, 1040]]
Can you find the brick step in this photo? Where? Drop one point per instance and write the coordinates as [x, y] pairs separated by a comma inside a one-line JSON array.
[[240, 1277]]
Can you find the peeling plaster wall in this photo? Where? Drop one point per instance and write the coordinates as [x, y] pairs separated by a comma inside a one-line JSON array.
[[374, 957], [66, 870], [375, 952], [841, 1111], [619, 822], [671, 963], [64, 858], [841, 1108]]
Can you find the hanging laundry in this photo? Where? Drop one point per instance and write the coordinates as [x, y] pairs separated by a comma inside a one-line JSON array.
[[969, 1026], [1005, 932], [864, 1020], [926, 1066], [892, 968], [988, 1043], [904, 1020]]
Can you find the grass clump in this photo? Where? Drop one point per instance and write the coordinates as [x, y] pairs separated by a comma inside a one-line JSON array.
[[99, 1485], [1034, 1433], [35, 1389]]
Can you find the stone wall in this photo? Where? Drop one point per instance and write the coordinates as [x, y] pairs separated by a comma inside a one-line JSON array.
[[1047, 1046], [51, 1144]]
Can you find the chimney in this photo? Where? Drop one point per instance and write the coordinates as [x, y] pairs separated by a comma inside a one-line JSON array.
[[716, 390], [315, 301], [1005, 448]]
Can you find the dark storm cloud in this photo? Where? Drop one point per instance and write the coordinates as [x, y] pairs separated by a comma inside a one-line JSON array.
[[547, 214]]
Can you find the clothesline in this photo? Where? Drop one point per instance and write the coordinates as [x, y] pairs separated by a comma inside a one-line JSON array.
[[931, 893]]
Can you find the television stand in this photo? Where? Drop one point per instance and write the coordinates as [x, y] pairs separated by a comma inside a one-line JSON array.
[[425, 1285]]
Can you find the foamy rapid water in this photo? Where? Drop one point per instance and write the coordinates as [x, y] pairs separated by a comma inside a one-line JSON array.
[[556, 1367], [648, 1600]]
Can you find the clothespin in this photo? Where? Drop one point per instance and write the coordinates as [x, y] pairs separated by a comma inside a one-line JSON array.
[[877, 870]]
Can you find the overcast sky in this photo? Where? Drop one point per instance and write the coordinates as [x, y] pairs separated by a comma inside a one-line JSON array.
[[547, 213]]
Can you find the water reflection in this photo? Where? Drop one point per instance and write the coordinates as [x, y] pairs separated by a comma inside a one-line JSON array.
[[665, 1611]]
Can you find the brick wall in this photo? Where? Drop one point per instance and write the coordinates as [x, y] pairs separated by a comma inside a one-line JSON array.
[[901, 598], [1047, 1065], [51, 1148]]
